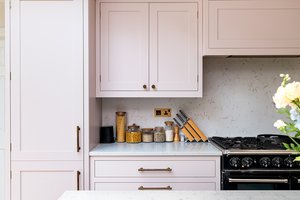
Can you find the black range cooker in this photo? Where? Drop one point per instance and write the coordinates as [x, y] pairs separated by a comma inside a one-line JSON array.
[[258, 163]]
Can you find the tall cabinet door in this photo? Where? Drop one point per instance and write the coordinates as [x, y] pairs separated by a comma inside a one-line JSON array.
[[123, 57], [46, 79], [173, 46]]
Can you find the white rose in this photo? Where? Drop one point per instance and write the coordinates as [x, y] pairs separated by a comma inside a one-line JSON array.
[[279, 124], [292, 90], [280, 99]]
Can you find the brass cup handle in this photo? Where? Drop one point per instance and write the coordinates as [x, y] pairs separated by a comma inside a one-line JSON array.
[[145, 87], [153, 87], [155, 188], [155, 170]]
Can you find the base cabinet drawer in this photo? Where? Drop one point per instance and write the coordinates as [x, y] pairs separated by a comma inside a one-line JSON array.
[[155, 173], [154, 186], [158, 168]]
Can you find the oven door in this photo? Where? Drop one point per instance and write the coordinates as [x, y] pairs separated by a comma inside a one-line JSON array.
[[295, 182], [255, 181]]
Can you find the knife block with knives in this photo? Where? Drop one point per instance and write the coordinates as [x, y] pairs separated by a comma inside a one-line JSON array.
[[189, 128]]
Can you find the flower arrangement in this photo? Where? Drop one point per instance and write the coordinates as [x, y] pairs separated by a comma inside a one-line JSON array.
[[287, 102]]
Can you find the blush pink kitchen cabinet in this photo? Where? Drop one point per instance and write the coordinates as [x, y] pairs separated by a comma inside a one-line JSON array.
[[149, 49], [251, 27], [177, 172], [46, 97]]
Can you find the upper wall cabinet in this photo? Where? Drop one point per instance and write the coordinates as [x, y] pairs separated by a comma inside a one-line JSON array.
[[149, 50], [252, 27]]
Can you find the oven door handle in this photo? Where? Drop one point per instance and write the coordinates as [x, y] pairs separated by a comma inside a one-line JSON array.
[[237, 180]]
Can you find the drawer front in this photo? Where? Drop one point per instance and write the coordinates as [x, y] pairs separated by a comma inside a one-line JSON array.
[[154, 186], [159, 168]]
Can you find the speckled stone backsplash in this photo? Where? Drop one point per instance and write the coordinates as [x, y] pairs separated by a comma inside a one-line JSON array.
[[237, 98]]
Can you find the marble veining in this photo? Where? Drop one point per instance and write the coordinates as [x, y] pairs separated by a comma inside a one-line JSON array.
[[180, 195], [156, 149], [237, 99]]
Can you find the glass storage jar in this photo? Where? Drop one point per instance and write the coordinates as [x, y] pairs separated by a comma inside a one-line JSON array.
[[147, 134], [169, 130], [120, 126], [159, 134], [133, 134]]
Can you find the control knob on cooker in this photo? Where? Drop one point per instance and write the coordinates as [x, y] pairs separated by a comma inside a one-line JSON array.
[[265, 161], [277, 161], [289, 161], [234, 162], [247, 162]]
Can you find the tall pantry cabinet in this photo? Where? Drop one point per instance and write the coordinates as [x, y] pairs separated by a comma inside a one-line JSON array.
[[47, 97]]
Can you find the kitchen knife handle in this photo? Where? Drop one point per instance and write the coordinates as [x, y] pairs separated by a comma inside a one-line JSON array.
[[77, 140], [177, 122], [184, 115], [181, 119], [195, 127]]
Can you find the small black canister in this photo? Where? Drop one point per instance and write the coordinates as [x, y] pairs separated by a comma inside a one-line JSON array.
[[107, 134]]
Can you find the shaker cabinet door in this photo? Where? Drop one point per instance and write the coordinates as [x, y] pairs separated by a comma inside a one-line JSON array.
[[123, 51], [173, 46], [44, 180], [252, 27], [47, 80]]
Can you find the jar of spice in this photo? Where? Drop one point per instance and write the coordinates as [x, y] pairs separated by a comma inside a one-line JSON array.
[[133, 134], [169, 131], [147, 134], [159, 134], [120, 126]]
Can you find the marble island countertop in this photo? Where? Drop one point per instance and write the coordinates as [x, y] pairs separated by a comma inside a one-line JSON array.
[[156, 149], [181, 195]]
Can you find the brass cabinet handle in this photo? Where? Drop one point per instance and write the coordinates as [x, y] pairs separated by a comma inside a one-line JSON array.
[[145, 87], [78, 177], [155, 170], [155, 188], [153, 87], [78, 145]]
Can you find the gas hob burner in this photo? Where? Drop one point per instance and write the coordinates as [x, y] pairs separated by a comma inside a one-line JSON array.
[[261, 142]]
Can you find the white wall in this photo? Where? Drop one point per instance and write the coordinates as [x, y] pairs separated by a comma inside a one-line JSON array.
[[237, 98]]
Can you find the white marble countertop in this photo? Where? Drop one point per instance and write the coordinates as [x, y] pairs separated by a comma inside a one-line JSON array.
[[181, 195], [156, 149]]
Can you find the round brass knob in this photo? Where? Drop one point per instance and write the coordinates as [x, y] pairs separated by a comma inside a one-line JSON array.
[[145, 86], [153, 87]]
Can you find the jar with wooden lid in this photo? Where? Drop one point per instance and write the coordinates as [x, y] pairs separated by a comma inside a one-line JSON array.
[[148, 134], [169, 130], [133, 134], [159, 134], [120, 126]]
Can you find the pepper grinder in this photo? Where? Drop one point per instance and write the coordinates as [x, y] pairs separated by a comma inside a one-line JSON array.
[[176, 136]]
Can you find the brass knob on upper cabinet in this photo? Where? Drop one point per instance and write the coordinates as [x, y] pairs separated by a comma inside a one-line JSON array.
[[153, 87], [145, 87]]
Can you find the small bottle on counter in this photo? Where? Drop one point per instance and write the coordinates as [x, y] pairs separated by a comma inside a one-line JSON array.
[[169, 131], [133, 134], [176, 134], [148, 135], [120, 126], [159, 134]]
